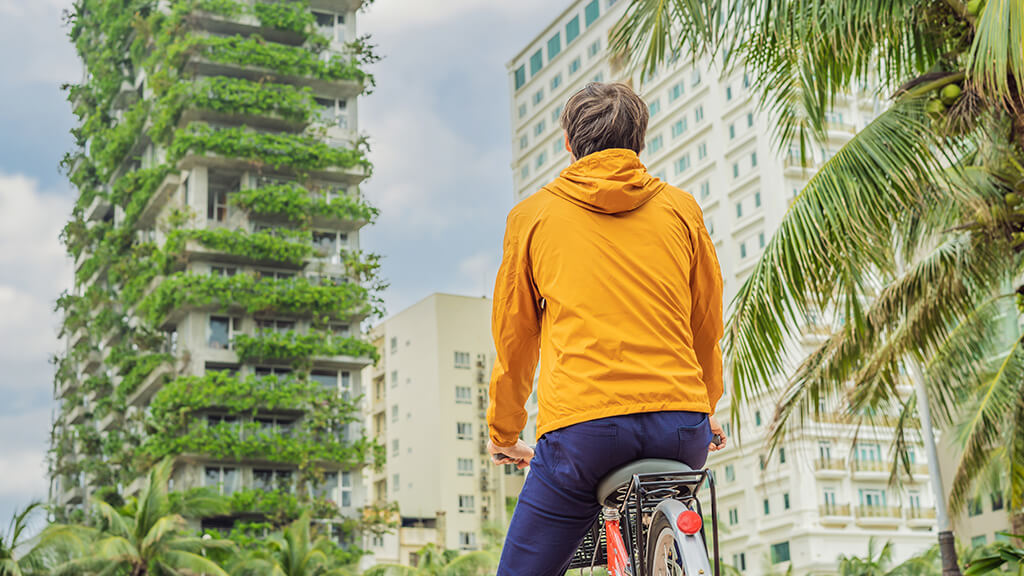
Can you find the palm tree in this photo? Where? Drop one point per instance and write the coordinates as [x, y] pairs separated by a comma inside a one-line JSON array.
[[909, 235], [295, 552], [433, 562], [13, 542], [150, 538], [878, 562]]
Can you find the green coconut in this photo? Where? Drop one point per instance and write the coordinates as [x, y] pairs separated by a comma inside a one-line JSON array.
[[950, 93], [935, 108], [1012, 199], [974, 7]]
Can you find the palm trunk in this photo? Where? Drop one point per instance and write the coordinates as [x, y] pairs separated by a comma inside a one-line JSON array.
[[947, 544], [1017, 527]]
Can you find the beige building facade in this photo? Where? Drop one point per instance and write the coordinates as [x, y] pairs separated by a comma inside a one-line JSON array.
[[426, 404]]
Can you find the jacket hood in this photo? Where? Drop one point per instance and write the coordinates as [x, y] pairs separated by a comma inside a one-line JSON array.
[[610, 182]]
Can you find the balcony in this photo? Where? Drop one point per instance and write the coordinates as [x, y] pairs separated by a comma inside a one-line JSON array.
[[149, 387], [73, 495], [92, 361], [921, 517], [342, 89], [110, 422], [77, 337], [76, 415], [339, 6], [830, 467], [66, 386], [835, 514], [163, 193], [98, 209], [870, 469], [793, 167], [244, 25], [879, 515]]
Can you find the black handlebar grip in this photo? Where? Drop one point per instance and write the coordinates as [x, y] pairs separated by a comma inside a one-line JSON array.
[[717, 440], [498, 457]]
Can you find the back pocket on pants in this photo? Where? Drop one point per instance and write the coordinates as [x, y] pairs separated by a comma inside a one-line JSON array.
[[693, 443]]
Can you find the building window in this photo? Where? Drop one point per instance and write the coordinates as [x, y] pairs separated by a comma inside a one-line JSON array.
[[467, 540], [520, 77], [767, 507], [594, 48], [654, 107], [682, 164], [538, 97], [554, 46], [556, 82], [523, 142], [997, 501], [730, 473], [217, 204], [395, 484], [394, 413], [539, 128], [732, 131], [728, 93], [591, 12], [346, 489], [462, 359], [746, 80], [465, 466], [780, 552], [739, 214], [705, 190], [785, 501], [394, 448], [536, 62], [698, 113], [272, 480], [710, 225], [340, 381], [463, 430], [463, 395], [222, 479], [974, 507], [782, 455], [557, 146], [702, 150], [599, 77], [524, 172], [522, 110], [466, 503], [695, 77], [572, 29], [735, 170], [739, 561], [750, 119], [978, 541], [676, 91], [753, 159], [655, 144], [760, 243], [222, 332], [734, 516], [541, 159], [743, 250], [660, 175], [679, 127], [223, 271], [394, 378], [757, 199], [574, 66]]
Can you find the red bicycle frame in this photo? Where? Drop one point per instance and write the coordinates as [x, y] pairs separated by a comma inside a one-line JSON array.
[[618, 556]]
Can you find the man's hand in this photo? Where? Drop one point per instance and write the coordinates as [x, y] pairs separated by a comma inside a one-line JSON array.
[[716, 430], [519, 454]]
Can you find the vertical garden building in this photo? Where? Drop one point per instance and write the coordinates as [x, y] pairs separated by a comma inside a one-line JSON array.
[[219, 285]]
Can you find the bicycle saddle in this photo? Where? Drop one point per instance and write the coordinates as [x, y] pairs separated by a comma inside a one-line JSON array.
[[612, 488]]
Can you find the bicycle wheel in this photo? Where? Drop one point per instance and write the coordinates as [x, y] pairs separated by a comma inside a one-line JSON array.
[[662, 553]]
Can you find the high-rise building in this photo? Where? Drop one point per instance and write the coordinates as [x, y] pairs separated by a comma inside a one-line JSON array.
[[219, 286], [822, 493], [427, 402]]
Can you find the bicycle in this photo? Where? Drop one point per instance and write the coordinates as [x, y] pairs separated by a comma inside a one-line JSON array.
[[663, 522]]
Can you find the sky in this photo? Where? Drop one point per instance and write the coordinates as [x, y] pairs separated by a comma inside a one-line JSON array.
[[439, 128]]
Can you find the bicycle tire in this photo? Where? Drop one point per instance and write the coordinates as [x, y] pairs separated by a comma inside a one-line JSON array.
[[658, 562]]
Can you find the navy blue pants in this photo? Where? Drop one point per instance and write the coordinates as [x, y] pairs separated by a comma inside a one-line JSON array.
[[557, 505]]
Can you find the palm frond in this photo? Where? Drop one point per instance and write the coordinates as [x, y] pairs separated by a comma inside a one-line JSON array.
[[985, 424], [189, 563], [833, 240], [996, 61]]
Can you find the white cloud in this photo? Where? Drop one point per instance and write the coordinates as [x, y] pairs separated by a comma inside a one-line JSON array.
[[397, 15], [477, 273], [33, 271], [32, 32]]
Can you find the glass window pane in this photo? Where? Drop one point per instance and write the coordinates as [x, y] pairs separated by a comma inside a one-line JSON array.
[[218, 332], [230, 482]]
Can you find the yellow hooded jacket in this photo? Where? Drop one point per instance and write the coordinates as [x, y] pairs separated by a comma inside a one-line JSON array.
[[610, 275]]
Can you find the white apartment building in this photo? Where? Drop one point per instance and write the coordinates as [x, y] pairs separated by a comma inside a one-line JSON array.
[[821, 494], [426, 403]]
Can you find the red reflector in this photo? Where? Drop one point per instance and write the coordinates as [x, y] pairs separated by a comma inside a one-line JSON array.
[[689, 522]]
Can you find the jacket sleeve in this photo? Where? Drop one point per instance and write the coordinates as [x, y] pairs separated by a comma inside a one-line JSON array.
[[515, 324], [706, 316]]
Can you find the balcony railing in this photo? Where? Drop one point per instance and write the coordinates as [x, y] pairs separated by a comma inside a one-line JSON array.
[[921, 513], [837, 464], [870, 466], [878, 512], [834, 510]]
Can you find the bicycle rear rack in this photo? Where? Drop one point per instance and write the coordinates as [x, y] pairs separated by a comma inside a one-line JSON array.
[[636, 506]]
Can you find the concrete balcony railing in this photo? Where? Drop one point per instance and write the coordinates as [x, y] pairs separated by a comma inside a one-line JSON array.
[[76, 415], [920, 513], [73, 495], [835, 514], [870, 466]]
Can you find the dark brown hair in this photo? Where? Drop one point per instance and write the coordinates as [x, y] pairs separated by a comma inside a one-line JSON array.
[[603, 116]]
